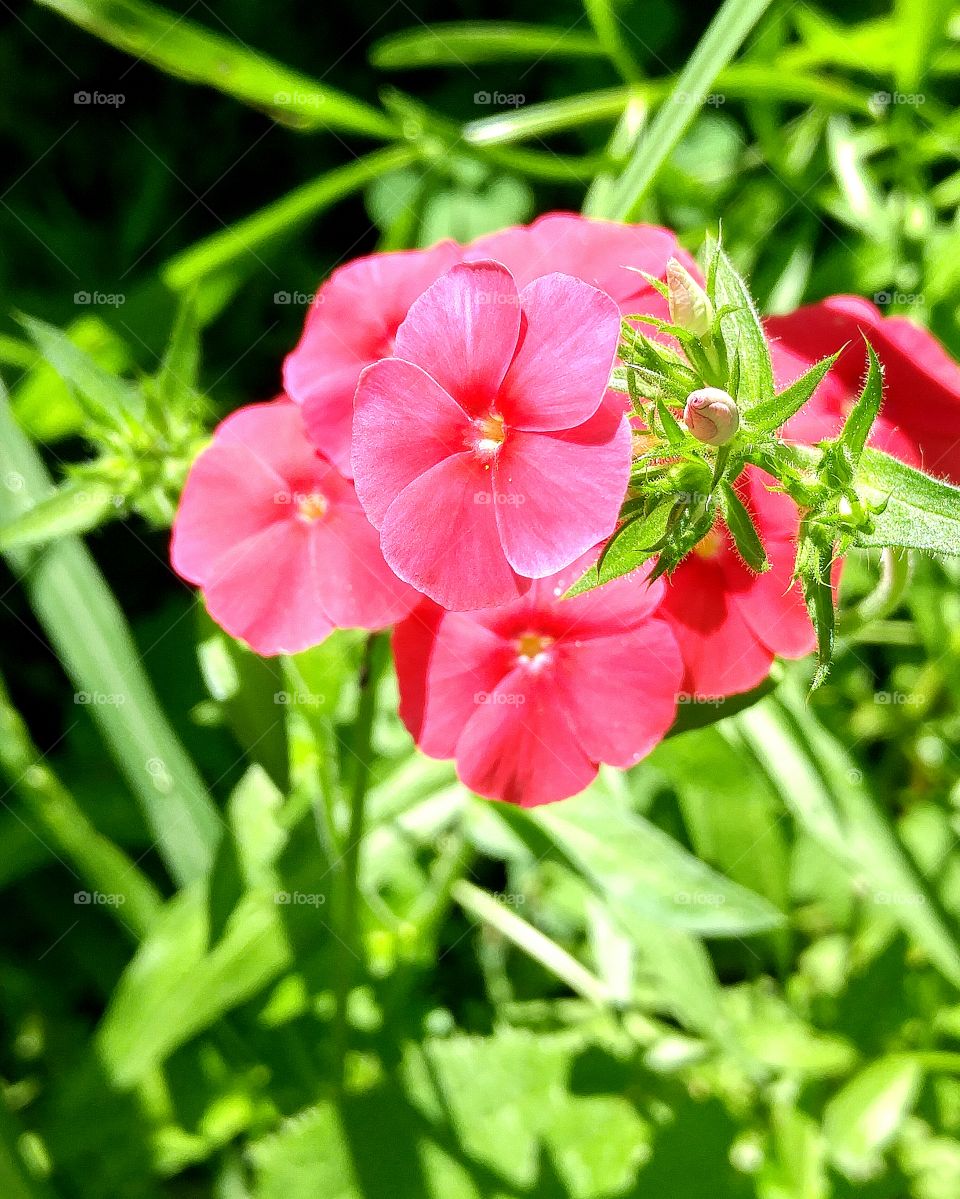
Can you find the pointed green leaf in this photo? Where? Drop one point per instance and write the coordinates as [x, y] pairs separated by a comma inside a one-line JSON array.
[[627, 550], [469, 43], [771, 414], [742, 529], [72, 508], [858, 424], [743, 335], [189, 51], [106, 399]]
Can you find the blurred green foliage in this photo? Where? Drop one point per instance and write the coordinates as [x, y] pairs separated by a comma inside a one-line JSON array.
[[732, 971]]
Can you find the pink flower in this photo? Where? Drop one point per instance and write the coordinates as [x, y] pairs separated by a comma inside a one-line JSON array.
[[920, 419], [730, 623], [605, 253], [481, 451], [531, 696], [275, 537], [352, 322], [354, 318]]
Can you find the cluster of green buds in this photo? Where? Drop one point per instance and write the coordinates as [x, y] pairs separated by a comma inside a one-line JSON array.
[[706, 408], [144, 434]]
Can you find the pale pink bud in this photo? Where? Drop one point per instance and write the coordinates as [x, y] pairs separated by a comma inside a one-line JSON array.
[[711, 416], [690, 306]]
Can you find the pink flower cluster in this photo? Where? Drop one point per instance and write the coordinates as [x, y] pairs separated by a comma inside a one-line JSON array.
[[447, 457]]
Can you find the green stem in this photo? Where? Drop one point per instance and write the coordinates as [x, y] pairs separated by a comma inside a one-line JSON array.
[[883, 601], [375, 657]]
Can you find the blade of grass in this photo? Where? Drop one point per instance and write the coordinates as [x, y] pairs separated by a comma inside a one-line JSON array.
[[189, 51], [472, 43], [86, 627], [530, 940], [724, 36]]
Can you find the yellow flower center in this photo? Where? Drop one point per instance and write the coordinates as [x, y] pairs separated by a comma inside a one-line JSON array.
[[532, 645], [490, 434], [710, 546], [312, 507]]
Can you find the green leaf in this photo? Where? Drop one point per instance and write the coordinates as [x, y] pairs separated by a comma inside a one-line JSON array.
[[859, 422], [771, 414], [469, 43], [696, 712], [640, 870], [73, 508], [814, 570], [553, 116], [743, 335], [824, 788], [179, 984], [627, 550], [724, 36], [106, 399], [246, 238], [88, 630], [862, 1119], [189, 51], [742, 529], [918, 512], [467, 1116], [177, 380], [482, 906]]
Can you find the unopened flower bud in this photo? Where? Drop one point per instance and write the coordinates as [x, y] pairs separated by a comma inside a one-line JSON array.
[[690, 306], [711, 416]]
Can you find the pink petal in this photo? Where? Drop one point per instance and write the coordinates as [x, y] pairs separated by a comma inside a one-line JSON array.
[[463, 331], [352, 322], [559, 494], [404, 424], [264, 591], [599, 252], [241, 483], [619, 692], [519, 747], [721, 652], [773, 606], [354, 585], [447, 664], [567, 348], [440, 535], [915, 363]]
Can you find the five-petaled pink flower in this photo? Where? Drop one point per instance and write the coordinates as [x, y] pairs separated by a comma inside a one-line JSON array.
[[355, 315], [920, 419], [729, 621], [276, 539], [483, 450], [529, 697], [352, 322]]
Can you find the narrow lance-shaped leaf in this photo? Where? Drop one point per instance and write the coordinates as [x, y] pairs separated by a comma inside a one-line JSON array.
[[813, 570], [72, 508], [742, 529], [858, 424], [743, 334], [107, 400], [467, 43], [189, 51], [627, 550], [771, 414]]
